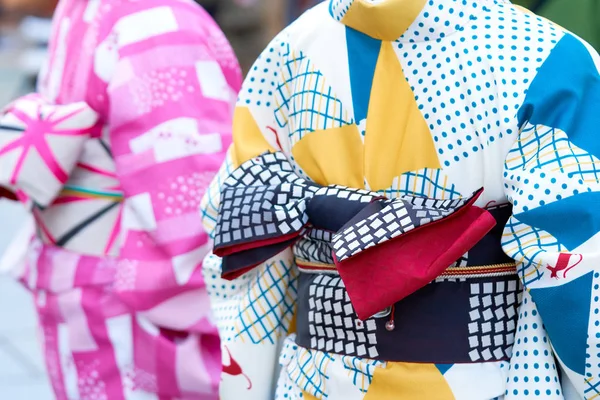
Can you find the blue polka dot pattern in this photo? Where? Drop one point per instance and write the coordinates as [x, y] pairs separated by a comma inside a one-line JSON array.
[[532, 372], [339, 8], [442, 18], [223, 295], [286, 388], [264, 77], [470, 84], [592, 370], [216, 286]]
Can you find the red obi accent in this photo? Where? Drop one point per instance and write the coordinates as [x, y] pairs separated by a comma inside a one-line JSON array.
[[385, 274]]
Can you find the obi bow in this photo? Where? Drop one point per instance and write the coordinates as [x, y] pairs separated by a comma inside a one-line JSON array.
[[40, 144], [384, 249]]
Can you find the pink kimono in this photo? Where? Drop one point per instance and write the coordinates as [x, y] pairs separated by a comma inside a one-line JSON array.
[[113, 156]]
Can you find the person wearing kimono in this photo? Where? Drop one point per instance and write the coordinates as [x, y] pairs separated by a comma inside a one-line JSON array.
[[112, 156], [409, 209]]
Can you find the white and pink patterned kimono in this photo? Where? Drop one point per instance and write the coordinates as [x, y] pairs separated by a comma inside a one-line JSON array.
[[113, 155]]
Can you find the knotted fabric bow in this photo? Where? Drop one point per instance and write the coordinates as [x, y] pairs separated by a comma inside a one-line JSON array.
[[384, 249], [40, 144]]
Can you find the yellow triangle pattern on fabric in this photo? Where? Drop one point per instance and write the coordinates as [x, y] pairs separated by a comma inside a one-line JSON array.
[[332, 156], [386, 20], [397, 137], [248, 140], [308, 396], [408, 381]]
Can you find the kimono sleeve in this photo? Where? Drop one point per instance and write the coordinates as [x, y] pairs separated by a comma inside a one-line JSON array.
[[40, 144], [256, 311], [171, 98], [552, 178]]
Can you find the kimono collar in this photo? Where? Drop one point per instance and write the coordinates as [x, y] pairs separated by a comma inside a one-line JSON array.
[[407, 20]]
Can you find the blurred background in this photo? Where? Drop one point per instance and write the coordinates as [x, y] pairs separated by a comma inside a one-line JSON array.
[[249, 25]]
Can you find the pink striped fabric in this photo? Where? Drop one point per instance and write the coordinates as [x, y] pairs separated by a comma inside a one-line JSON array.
[[102, 341]]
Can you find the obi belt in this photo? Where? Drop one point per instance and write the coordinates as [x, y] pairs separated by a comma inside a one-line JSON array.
[[410, 279]]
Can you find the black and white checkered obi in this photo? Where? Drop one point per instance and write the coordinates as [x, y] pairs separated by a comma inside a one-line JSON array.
[[376, 280], [468, 314]]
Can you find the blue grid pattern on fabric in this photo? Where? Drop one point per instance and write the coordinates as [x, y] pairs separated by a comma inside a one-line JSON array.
[[592, 389], [361, 371], [428, 182], [267, 309], [305, 100], [524, 243], [309, 372], [540, 146]]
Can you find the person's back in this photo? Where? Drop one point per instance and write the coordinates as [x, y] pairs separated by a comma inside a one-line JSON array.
[[405, 289]]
